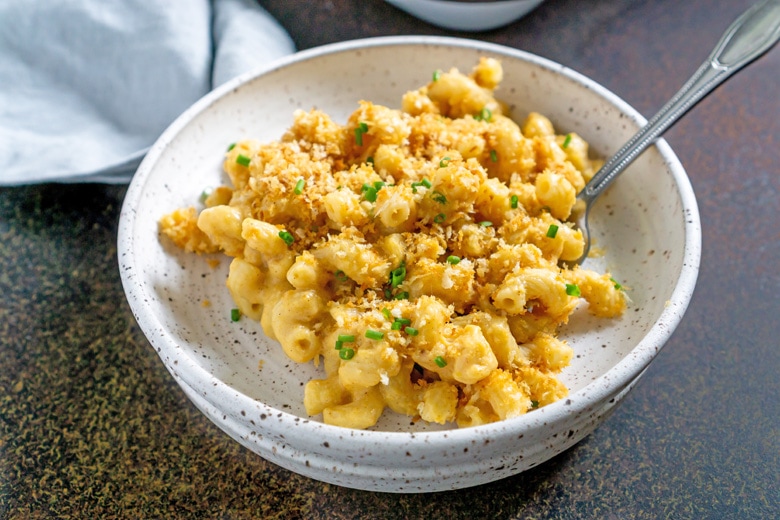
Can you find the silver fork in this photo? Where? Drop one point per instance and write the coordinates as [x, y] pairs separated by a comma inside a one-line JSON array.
[[750, 36]]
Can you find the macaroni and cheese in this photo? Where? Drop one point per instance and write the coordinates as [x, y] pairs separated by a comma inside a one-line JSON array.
[[419, 254]]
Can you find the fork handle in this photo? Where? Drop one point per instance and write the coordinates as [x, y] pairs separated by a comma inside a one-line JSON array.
[[750, 36]]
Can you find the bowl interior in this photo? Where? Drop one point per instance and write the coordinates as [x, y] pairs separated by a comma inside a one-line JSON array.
[[183, 305]]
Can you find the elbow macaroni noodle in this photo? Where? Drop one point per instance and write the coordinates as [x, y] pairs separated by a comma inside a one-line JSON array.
[[419, 253]]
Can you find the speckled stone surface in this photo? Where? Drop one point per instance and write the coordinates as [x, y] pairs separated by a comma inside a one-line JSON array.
[[92, 425]]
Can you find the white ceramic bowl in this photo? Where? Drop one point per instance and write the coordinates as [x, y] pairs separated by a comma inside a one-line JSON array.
[[467, 16], [648, 222]]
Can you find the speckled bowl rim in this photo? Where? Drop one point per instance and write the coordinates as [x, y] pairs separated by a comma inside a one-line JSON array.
[[601, 388]]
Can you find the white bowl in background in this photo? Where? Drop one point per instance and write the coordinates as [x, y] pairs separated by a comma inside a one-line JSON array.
[[648, 222], [467, 16]]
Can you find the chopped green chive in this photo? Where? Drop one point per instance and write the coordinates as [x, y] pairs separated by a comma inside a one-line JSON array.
[[339, 345], [424, 182], [440, 362], [369, 193], [439, 218], [374, 334], [436, 75], [370, 160], [346, 354], [231, 146], [378, 185], [340, 276], [534, 404], [205, 194], [361, 129], [618, 286], [243, 160], [566, 141], [513, 200], [411, 331], [486, 223], [387, 314], [484, 115], [396, 325], [444, 162], [493, 156], [299, 186], [398, 275], [452, 259], [439, 197], [346, 338], [572, 290], [287, 237], [402, 296], [552, 231], [235, 314]]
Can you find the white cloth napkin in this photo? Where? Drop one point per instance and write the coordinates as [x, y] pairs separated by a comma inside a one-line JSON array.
[[86, 86]]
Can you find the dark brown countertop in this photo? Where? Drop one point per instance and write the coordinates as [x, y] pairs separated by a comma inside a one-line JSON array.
[[92, 425]]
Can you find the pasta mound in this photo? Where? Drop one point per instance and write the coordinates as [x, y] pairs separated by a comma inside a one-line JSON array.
[[417, 252]]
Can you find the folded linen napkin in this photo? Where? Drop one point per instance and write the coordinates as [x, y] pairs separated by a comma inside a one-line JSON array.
[[86, 86]]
